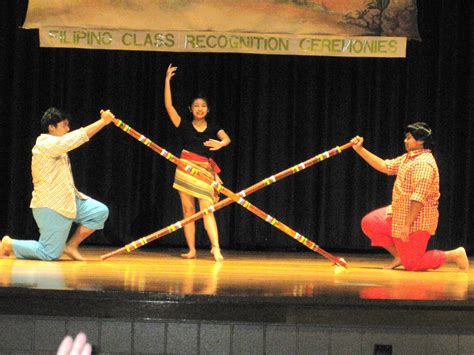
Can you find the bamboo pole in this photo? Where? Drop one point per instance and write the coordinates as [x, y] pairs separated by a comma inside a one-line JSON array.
[[232, 197]]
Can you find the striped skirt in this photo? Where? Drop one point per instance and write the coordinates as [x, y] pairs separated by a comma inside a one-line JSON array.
[[193, 186]]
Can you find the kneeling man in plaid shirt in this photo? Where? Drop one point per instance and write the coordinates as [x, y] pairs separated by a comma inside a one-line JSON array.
[[405, 227], [56, 202]]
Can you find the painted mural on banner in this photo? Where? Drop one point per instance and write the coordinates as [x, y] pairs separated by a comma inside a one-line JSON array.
[[352, 28]]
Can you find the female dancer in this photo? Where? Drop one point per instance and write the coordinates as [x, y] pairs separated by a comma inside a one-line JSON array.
[[200, 139]]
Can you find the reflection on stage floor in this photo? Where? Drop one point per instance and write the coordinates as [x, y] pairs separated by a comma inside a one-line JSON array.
[[263, 274]]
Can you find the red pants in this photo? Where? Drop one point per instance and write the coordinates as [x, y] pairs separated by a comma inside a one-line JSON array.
[[412, 253]]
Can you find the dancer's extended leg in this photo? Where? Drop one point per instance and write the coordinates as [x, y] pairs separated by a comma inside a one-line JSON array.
[[187, 203], [211, 228]]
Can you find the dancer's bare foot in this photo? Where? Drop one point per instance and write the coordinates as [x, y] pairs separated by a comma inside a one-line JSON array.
[[459, 257], [73, 253], [216, 252], [396, 262], [189, 255], [5, 247]]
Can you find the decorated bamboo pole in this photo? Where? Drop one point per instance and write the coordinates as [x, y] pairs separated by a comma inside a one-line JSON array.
[[248, 191], [239, 198]]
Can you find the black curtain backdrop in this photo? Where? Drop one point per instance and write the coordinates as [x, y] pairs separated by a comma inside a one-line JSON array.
[[278, 111]]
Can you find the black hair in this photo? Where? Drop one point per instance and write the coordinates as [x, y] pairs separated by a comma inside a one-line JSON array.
[[52, 116], [421, 132], [197, 97]]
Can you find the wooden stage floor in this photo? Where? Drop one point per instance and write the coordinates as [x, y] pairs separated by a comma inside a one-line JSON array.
[[284, 287]]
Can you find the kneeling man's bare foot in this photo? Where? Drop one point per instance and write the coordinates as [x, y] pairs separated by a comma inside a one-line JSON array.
[[396, 262], [73, 253], [461, 258], [5, 247]]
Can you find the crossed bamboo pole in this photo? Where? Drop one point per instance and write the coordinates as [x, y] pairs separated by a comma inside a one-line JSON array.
[[231, 197]]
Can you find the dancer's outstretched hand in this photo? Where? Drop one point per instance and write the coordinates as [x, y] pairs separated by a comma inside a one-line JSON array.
[[170, 72]]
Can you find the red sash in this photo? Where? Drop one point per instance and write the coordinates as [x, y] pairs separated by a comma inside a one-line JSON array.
[[185, 154]]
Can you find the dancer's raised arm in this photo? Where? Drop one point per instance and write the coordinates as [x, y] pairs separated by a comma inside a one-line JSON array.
[[172, 113]]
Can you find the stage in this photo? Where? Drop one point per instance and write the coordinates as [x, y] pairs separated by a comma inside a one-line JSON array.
[[246, 286], [296, 289]]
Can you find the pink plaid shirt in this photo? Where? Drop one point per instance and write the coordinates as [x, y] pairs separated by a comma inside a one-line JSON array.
[[51, 171], [417, 180]]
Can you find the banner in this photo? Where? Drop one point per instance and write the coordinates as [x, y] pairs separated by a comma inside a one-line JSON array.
[[356, 28], [175, 41]]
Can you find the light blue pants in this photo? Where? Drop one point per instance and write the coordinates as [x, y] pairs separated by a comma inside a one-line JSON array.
[[54, 229]]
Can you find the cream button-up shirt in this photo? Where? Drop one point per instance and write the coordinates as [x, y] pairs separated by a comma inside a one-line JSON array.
[[52, 175]]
